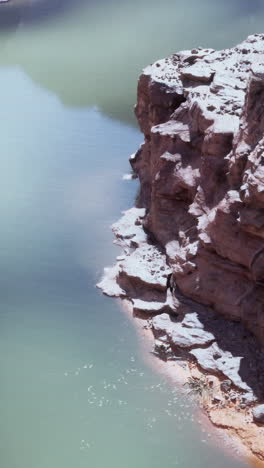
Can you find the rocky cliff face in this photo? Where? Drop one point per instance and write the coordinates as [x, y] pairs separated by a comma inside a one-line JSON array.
[[193, 250], [201, 171]]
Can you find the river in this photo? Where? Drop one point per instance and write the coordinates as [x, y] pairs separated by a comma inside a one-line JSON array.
[[75, 391]]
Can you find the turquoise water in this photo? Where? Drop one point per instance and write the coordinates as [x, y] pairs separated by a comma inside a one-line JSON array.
[[75, 391]]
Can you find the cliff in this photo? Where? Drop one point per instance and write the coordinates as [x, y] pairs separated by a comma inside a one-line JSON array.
[[201, 170], [193, 246]]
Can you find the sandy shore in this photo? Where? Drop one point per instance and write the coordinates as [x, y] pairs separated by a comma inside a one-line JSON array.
[[241, 438], [141, 273]]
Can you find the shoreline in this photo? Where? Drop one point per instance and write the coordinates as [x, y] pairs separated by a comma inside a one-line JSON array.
[[193, 256], [139, 280], [178, 376]]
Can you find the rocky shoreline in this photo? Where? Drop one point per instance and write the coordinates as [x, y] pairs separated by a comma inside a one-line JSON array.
[[192, 267], [179, 372], [185, 333]]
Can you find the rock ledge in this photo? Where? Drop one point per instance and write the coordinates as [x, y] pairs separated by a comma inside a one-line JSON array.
[[193, 252]]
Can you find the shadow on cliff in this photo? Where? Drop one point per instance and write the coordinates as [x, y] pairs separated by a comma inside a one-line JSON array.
[[232, 336]]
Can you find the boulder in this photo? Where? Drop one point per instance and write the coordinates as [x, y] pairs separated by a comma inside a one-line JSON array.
[[258, 414], [214, 359], [108, 283], [191, 320], [225, 385], [149, 307], [178, 334]]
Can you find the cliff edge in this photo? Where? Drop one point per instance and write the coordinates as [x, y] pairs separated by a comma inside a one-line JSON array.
[[201, 170], [193, 246]]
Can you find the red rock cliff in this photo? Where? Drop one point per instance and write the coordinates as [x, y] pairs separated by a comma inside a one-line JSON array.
[[201, 170]]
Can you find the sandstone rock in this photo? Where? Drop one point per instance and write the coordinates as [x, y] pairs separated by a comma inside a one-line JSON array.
[[233, 398], [108, 283], [214, 359], [162, 324], [142, 271], [143, 274], [153, 308], [191, 320], [249, 398], [249, 433], [128, 229], [258, 414], [193, 246], [179, 335], [225, 385], [213, 382], [201, 170], [217, 399]]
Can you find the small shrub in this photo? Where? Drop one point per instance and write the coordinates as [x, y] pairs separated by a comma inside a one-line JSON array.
[[198, 387]]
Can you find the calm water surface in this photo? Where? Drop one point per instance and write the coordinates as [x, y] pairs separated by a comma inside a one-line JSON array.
[[74, 389]]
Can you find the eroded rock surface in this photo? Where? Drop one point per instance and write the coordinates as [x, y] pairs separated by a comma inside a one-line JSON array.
[[214, 359], [201, 169], [193, 252], [258, 414], [179, 335]]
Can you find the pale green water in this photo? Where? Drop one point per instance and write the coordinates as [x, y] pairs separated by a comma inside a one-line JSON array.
[[74, 389]]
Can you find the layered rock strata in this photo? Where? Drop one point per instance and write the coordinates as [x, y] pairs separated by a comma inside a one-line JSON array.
[[201, 170], [193, 251]]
